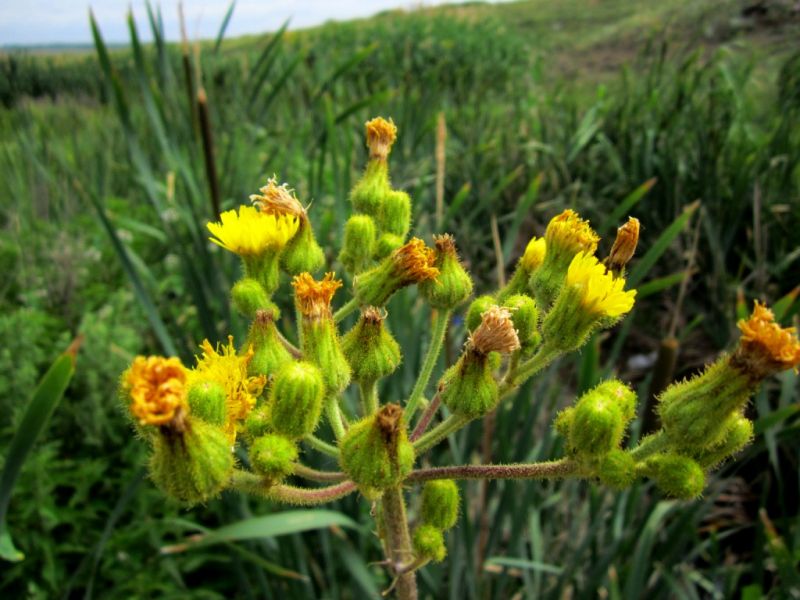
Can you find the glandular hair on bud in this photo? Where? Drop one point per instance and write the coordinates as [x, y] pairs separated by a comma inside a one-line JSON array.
[[369, 347], [428, 542], [375, 451], [675, 475], [395, 213], [440, 503], [476, 309], [303, 253], [624, 246], [249, 297], [524, 315], [207, 402], [468, 387], [192, 464], [269, 353], [453, 284], [359, 243], [295, 400], [273, 456], [368, 193], [596, 425], [617, 469]]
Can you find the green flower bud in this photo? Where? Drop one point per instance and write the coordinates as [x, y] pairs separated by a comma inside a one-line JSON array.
[[191, 461], [468, 387], [273, 456], [368, 194], [737, 433], [440, 503], [249, 297], [524, 314], [409, 264], [598, 421], [375, 452], [617, 469], [359, 243], [269, 352], [370, 349], [428, 543], [395, 213], [563, 422], [256, 423], [694, 412], [387, 243], [475, 311], [264, 269], [453, 285], [207, 401], [303, 253], [675, 475], [295, 400]]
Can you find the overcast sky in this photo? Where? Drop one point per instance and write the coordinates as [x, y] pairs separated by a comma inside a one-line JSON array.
[[64, 21]]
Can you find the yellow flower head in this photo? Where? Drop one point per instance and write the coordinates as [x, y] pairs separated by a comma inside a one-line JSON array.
[[414, 262], [765, 347], [228, 369], [496, 332], [569, 233], [277, 199], [624, 245], [252, 232], [602, 294], [157, 388], [534, 254], [381, 134], [313, 297]]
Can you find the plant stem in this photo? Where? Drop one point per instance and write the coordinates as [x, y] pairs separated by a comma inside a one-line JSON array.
[[306, 472], [321, 445], [345, 310], [290, 347], [442, 430], [369, 397], [517, 376], [440, 321], [334, 416], [650, 445], [426, 418], [290, 494], [555, 469], [398, 544]]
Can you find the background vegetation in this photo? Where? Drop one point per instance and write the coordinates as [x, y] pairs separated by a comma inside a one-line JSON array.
[[613, 107]]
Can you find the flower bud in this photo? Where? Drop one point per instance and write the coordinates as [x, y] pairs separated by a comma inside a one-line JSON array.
[[453, 285], [375, 452], [411, 263], [395, 213], [624, 246], [368, 193], [257, 422], [207, 401], [468, 387], [440, 503], [387, 243], [737, 433], [617, 469], [269, 353], [370, 349], [249, 297], [295, 400], [524, 315], [428, 543], [273, 456], [191, 461], [359, 243], [675, 475], [531, 260], [597, 426], [475, 311], [303, 253]]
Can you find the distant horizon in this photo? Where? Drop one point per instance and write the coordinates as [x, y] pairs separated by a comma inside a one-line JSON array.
[[43, 24]]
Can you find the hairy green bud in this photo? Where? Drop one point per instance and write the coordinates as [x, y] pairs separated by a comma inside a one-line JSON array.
[[675, 475], [440, 503], [273, 456], [375, 452], [387, 243], [359, 243], [395, 213], [207, 401], [256, 423], [737, 433], [368, 194], [468, 387], [453, 285], [269, 353], [428, 542], [597, 423], [295, 400], [249, 297], [370, 349], [303, 253], [524, 314], [617, 469], [478, 306]]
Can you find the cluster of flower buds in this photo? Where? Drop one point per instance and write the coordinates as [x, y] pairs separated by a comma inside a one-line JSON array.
[[438, 513]]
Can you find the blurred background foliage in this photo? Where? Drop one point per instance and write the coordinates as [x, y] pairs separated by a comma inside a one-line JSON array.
[[612, 107]]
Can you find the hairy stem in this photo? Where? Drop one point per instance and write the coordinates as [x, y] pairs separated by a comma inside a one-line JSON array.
[[426, 418], [437, 434], [369, 397], [290, 494], [334, 416], [524, 370], [440, 321], [556, 469], [398, 543], [350, 306], [650, 445], [306, 472], [290, 347], [321, 445]]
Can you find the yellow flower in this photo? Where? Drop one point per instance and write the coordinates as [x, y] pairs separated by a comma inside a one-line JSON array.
[[601, 293], [314, 297], [225, 367], [251, 232], [414, 262], [570, 233], [157, 387], [765, 347], [381, 134], [534, 254]]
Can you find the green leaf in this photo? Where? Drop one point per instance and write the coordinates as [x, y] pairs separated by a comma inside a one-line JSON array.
[[518, 563], [224, 26], [42, 404], [626, 205]]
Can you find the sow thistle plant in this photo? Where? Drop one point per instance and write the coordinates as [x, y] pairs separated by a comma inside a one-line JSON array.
[[271, 396]]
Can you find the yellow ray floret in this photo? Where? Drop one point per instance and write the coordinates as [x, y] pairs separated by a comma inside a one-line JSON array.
[[157, 388], [224, 366], [763, 338], [534, 254], [314, 297], [251, 232], [601, 293], [570, 232], [414, 262]]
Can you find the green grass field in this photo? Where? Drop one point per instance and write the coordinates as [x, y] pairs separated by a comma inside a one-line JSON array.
[[684, 114]]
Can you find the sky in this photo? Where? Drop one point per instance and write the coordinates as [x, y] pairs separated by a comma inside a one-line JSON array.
[[42, 22]]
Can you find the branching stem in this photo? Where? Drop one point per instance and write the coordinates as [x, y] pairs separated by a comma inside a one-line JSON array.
[[321, 445], [306, 472], [556, 469], [290, 494], [437, 434], [350, 306], [440, 322]]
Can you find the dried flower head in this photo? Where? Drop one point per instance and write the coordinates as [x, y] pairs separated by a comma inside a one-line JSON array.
[[157, 388], [381, 134], [765, 347], [251, 232], [277, 199], [568, 232], [601, 293], [374, 315], [414, 261], [313, 297], [496, 332], [534, 254], [624, 245], [445, 244]]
